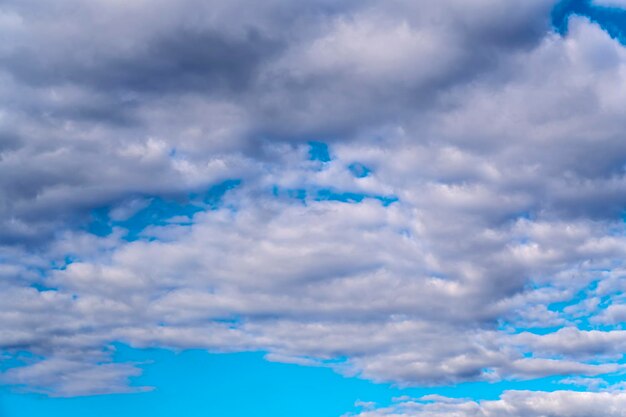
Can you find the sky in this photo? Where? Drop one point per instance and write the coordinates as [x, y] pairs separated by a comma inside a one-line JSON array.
[[399, 208]]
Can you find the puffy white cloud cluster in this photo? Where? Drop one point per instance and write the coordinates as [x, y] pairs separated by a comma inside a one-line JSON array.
[[501, 140], [510, 404]]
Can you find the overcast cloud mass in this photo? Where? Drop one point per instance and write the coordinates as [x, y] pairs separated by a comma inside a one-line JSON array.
[[417, 192]]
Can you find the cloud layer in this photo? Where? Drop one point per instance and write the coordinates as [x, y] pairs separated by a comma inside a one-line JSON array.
[[157, 188]]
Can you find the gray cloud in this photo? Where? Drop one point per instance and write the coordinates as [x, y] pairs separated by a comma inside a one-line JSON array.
[[60, 377], [501, 140], [179, 75]]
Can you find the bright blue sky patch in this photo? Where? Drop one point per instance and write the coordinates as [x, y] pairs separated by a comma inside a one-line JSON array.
[[612, 19], [318, 151], [159, 211], [196, 383]]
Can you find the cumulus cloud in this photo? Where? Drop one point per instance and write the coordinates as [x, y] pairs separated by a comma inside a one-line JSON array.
[[513, 404], [487, 204]]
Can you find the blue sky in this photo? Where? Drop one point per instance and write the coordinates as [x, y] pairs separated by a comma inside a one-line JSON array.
[[367, 209], [197, 383]]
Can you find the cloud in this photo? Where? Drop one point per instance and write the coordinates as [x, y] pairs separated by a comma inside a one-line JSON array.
[[512, 403], [490, 198], [63, 377], [172, 90]]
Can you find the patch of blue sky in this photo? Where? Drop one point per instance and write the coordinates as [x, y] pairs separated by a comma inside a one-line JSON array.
[[615, 378], [584, 318], [62, 264], [541, 331], [565, 309], [359, 170], [611, 19], [329, 194], [160, 211], [299, 194], [572, 309], [197, 383], [36, 276], [42, 286], [319, 151], [213, 197], [9, 360], [578, 297]]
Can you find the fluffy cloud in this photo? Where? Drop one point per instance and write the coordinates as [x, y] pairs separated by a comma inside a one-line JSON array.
[[186, 90], [513, 404], [487, 204]]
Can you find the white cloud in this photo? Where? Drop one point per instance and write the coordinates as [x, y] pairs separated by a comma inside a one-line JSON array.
[[512, 404], [502, 141], [63, 377]]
